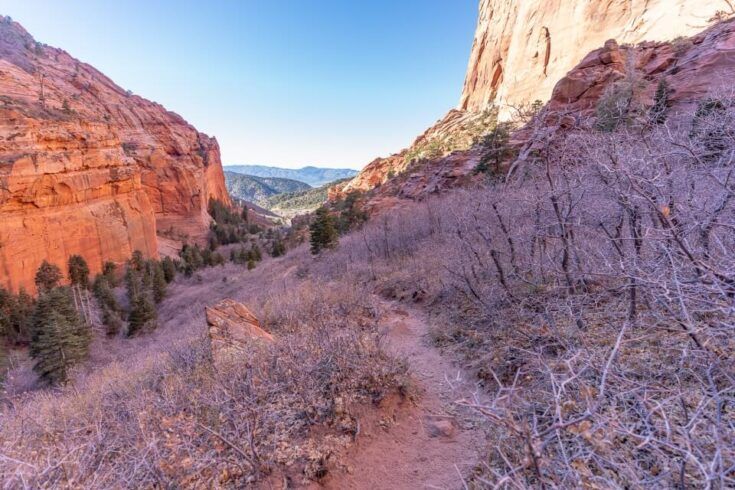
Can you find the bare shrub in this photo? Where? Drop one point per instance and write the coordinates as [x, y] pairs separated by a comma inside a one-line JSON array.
[[593, 295], [176, 421]]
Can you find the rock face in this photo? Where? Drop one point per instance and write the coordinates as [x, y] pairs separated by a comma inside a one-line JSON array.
[[693, 68], [455, 132], [522, 49], [87, 168], [232, 327]]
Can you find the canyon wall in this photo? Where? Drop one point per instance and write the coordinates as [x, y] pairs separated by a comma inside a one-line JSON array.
[[523, 48], [88, 168]]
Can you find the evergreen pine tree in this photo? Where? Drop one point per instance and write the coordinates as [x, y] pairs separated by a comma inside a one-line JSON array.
[[104, 293], [48, 277], [60, 339], [278, 248], [137, 261], [142, 315], [159, 283], [169, 269], [323, 232], [78, 272], [109, 270], [21, 317], [659, 111]]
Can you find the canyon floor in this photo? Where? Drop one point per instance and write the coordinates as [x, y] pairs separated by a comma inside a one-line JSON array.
[[431, 444]]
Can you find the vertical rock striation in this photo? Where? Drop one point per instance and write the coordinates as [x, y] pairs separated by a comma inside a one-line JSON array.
[[522, 49], [88, 168]]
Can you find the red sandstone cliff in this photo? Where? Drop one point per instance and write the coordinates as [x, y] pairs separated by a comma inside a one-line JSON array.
[[521, 50], [87, 168]]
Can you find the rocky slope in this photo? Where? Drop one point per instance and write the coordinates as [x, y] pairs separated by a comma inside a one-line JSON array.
[[522, 49], [88, 168], [694, 69]]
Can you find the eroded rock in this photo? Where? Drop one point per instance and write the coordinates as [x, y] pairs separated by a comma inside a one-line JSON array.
[[232, 327], [87, 168]]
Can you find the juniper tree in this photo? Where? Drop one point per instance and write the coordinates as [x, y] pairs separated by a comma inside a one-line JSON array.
[[48, 277], [60, 338], [495, 150]]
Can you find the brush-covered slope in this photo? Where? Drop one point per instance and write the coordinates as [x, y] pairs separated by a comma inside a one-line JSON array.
[[259, 189], [292, 204], [88, 168]]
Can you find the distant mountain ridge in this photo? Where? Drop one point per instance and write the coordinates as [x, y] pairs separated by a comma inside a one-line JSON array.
[[314, 176], [258, 189]]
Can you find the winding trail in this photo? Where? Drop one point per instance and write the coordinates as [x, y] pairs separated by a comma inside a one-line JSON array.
[[429, 444]]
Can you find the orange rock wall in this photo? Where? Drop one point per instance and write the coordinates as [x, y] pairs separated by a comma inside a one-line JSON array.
[[88, 168], [522, 48]]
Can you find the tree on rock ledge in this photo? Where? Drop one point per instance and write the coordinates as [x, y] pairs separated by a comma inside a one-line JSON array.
[[323, 232]]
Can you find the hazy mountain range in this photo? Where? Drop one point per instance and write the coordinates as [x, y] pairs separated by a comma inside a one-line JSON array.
[[314, 176]]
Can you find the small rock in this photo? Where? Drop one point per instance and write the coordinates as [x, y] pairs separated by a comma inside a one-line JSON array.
[[441, 428]]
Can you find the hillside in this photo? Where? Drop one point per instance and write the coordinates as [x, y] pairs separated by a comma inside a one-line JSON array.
[[291, 204], [259, 189], [314, 176]]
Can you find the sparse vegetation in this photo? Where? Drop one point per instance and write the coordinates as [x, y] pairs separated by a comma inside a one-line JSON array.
[[591, 296]]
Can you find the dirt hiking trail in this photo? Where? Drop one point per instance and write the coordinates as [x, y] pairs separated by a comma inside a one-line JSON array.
[[426, 444]]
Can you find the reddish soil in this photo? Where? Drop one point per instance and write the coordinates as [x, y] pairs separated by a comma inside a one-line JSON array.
[[429, 443]]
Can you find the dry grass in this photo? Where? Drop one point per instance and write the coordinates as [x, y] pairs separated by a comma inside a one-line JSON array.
[[593, 295], [167, 418]]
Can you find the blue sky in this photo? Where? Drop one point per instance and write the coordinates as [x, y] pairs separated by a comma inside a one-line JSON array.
[[278, 82]]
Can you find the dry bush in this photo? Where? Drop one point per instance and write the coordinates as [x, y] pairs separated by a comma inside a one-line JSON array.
[[593, 295], [176, 421]]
